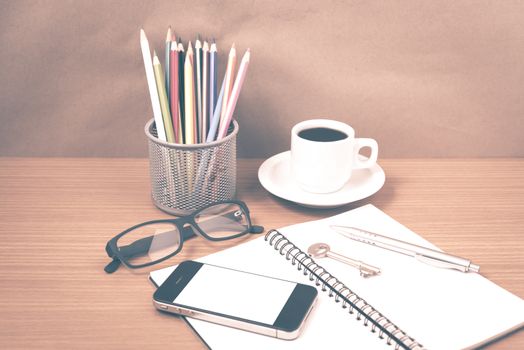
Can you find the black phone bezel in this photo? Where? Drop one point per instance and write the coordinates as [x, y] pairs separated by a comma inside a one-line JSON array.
[[289, 319]]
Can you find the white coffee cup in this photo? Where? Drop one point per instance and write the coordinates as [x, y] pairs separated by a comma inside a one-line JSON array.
[[324, 153]]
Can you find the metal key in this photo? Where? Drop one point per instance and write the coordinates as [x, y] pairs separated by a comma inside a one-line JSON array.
[[322, 250]]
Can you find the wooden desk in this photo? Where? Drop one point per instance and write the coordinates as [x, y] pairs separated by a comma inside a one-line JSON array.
[[56, 216]]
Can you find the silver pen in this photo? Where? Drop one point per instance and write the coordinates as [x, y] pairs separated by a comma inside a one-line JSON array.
[[425, 255]]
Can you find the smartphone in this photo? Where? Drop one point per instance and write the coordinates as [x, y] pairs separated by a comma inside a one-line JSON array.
[[233, 298]]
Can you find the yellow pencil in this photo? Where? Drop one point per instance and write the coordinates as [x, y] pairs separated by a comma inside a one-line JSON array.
[[162, 95], [189, 97]]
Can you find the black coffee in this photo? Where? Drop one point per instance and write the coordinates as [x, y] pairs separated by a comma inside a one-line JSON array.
[[322, 134]]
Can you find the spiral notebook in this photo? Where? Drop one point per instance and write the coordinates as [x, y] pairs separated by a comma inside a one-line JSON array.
[[410, 305]]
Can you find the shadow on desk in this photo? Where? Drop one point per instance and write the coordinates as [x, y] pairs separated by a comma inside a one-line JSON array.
[[382, 198]]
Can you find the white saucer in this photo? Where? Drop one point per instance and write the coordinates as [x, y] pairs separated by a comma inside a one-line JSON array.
[[275, 175]]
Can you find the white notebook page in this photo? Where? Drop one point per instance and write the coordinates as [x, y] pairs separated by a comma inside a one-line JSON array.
[[440, 308]]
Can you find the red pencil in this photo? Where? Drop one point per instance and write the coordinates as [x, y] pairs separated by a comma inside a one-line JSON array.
[[173, 89]]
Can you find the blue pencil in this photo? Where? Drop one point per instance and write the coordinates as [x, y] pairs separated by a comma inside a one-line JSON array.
[[213, 126]]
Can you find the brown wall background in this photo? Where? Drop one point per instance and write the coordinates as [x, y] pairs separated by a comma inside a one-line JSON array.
[[424, 78]]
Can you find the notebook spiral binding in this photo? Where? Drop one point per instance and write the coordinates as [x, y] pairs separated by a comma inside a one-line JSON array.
[[386, 328]]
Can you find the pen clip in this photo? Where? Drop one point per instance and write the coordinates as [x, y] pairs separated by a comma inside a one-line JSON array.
[[439, 263]]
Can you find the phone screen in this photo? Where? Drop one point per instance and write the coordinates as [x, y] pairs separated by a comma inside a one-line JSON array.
[[234, 293]]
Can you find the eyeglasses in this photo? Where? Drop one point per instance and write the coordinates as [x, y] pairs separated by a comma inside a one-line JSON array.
[[154, 241]]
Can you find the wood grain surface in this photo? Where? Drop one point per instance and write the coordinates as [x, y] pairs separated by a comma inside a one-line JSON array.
[[56, 215]]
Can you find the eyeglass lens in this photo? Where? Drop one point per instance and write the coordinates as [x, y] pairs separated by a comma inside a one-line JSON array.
[[223, 220], [149, 243]]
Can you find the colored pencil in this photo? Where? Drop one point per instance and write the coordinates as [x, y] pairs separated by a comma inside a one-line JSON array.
[[198, 85], [167, 66], [235, 92], [207, 165], [164, 104], [205, 91], [189, 94], [151, 83], [215, 119], [173, 90], [230, 72], [212, 80], [181, 99]]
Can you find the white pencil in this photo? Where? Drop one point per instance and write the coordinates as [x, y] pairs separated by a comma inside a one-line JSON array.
[[198, 87], [151, 82], [235, 92], [205, 92]]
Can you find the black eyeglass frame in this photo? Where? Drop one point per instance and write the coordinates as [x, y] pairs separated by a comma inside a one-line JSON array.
[[186, 232]]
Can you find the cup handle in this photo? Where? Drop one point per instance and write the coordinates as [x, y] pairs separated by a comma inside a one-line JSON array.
[[368, 163]]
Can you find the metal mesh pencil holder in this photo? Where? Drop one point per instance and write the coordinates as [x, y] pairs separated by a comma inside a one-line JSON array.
[[185, 178]]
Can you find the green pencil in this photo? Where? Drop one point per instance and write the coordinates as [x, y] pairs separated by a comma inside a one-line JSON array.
[[162, 95]]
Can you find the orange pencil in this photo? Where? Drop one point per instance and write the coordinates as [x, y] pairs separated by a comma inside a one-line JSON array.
[[235, 92]]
